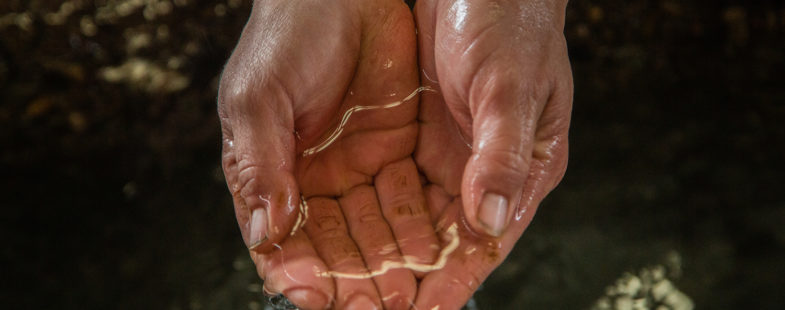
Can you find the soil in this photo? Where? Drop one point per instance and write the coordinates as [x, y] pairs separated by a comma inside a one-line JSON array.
[[113, 197]]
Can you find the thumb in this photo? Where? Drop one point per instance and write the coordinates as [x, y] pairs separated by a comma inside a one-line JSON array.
[[258, 160], [503, 127]]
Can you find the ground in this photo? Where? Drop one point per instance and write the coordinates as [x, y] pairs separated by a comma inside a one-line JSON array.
[[114, 197]]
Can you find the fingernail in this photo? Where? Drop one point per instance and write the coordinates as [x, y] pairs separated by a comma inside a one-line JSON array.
[[307, 298], [493, 214], [360, 302], [258, 227], [398, 302]]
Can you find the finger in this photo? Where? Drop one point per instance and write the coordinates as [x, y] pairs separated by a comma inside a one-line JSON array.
[[403, 205], [258, 158], [550, 150], [469, 265], [293, 270], [327, 229], [397, 286], [437, 200], [229, 165], [504, 122]]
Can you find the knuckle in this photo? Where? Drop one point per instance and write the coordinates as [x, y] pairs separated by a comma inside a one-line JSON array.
[[368, 216], [232, 91], [241, 91], [398, 179], [502, 90], [247, 183], [329, 235], [229, 167], [329, 226], [327, 223], [337, 251], [400, 198], [344, 256], [509, 165], [405, 209]]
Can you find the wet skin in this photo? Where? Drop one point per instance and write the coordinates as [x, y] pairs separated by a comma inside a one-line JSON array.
[[497, 125], [387, 189]]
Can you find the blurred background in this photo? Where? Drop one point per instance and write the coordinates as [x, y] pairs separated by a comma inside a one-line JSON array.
[[113, 196]]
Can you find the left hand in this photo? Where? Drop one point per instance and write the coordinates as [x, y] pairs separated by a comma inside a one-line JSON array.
[[493, 140]]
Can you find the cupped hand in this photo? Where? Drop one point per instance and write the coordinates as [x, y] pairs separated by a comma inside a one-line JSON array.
[[493, 139], [298, 68]]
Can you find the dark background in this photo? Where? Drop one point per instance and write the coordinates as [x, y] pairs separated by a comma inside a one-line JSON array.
[[113, 197]]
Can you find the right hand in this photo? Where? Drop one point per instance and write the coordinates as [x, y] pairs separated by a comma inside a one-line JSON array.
[[299, 65]]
